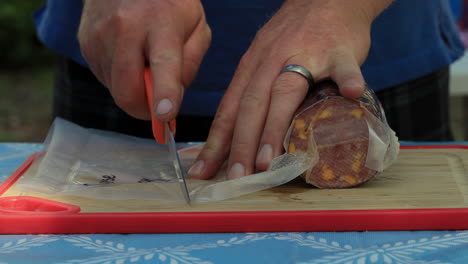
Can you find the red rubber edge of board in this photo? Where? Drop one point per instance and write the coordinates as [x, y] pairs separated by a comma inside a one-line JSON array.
[[17, 173], [240, 221]]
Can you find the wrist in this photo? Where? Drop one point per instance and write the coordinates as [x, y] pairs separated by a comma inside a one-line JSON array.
[[372, 9], [361, 13], [367, 10]]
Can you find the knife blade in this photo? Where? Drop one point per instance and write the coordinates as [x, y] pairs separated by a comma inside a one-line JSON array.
[[174, 156], [163, 133]]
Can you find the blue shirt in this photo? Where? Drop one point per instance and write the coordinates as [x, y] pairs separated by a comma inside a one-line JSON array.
[[411, 38]]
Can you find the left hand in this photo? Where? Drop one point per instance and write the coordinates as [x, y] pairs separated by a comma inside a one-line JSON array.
[[331, 38]]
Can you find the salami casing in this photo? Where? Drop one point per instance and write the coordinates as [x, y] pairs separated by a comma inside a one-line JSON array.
[[340, 131]]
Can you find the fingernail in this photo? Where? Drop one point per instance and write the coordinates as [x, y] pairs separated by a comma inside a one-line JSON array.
[[237, 170], [196, 169], [164, 107], [352, 89], [265, 155]]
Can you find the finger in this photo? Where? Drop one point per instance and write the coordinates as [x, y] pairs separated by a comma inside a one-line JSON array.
[[347, 75], [126, 79], [89, 52], [98, 69], [216, 148], [165, 58], [250, 121], [287, 93], [107, 48], [194, 50]]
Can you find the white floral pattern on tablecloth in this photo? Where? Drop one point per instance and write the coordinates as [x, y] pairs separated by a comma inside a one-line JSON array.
[[426, 247]]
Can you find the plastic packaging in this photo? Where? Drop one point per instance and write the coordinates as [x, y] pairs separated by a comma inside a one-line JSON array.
[[333, 142], [352, 137], [107, 165]]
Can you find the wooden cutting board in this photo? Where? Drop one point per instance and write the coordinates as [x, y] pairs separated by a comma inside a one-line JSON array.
[[421, 178]]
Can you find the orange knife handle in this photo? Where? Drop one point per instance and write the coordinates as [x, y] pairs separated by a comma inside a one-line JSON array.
[[158, 127]]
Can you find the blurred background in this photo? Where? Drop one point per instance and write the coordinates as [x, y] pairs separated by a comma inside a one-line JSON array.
[[26, 75]]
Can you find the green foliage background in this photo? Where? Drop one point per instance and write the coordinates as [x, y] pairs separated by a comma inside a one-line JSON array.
[[18, 42], [26, 75]]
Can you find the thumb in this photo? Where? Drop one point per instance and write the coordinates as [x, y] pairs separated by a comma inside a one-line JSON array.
[[348, 76]]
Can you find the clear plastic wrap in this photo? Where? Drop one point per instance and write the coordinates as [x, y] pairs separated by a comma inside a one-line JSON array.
[[333, 142], [352, 137], [107, 165]]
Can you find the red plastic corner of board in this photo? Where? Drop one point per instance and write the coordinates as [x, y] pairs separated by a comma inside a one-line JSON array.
[[18, 173], [29, 204], [34, 205]]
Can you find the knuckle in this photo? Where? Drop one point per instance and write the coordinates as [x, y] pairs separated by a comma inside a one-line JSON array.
[[90, 36], [208, 33], [284, 86], [240, 149], [221, 128], [125, 102], [250, 98], [122, 22], [241, 145], [100, 31], [161, 57], [219, 138], [82, 37], [261, 36], [84, 47], [120, 17], [245, 60], [192, 61], [191, 66], [221, 122], [212, 148], [84, 40]]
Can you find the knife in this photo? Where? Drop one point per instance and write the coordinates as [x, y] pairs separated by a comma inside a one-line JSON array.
[[176, 162], [164, 134]]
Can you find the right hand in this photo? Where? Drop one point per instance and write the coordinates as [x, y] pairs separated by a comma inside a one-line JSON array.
[[117, 38]]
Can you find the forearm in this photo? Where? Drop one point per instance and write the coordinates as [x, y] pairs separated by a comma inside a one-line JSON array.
[[368, 10], [372, 8]]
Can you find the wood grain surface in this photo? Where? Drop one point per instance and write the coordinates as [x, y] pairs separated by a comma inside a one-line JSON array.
[[421, 178]]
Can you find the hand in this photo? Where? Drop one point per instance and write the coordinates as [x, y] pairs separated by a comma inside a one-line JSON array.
[[117, 38], [331, 38]]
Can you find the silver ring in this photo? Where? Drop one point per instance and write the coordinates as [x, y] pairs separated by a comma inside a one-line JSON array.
[[300, 70]]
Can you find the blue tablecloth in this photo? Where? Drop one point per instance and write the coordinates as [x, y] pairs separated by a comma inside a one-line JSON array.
[[416, 247]]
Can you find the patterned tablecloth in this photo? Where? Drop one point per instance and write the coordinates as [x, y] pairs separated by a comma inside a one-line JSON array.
[[416, 247]]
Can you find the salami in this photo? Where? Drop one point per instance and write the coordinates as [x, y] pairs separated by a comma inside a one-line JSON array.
[[340, 131]]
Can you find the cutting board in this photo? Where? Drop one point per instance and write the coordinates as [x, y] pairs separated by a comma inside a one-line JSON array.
[[426, 188]]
